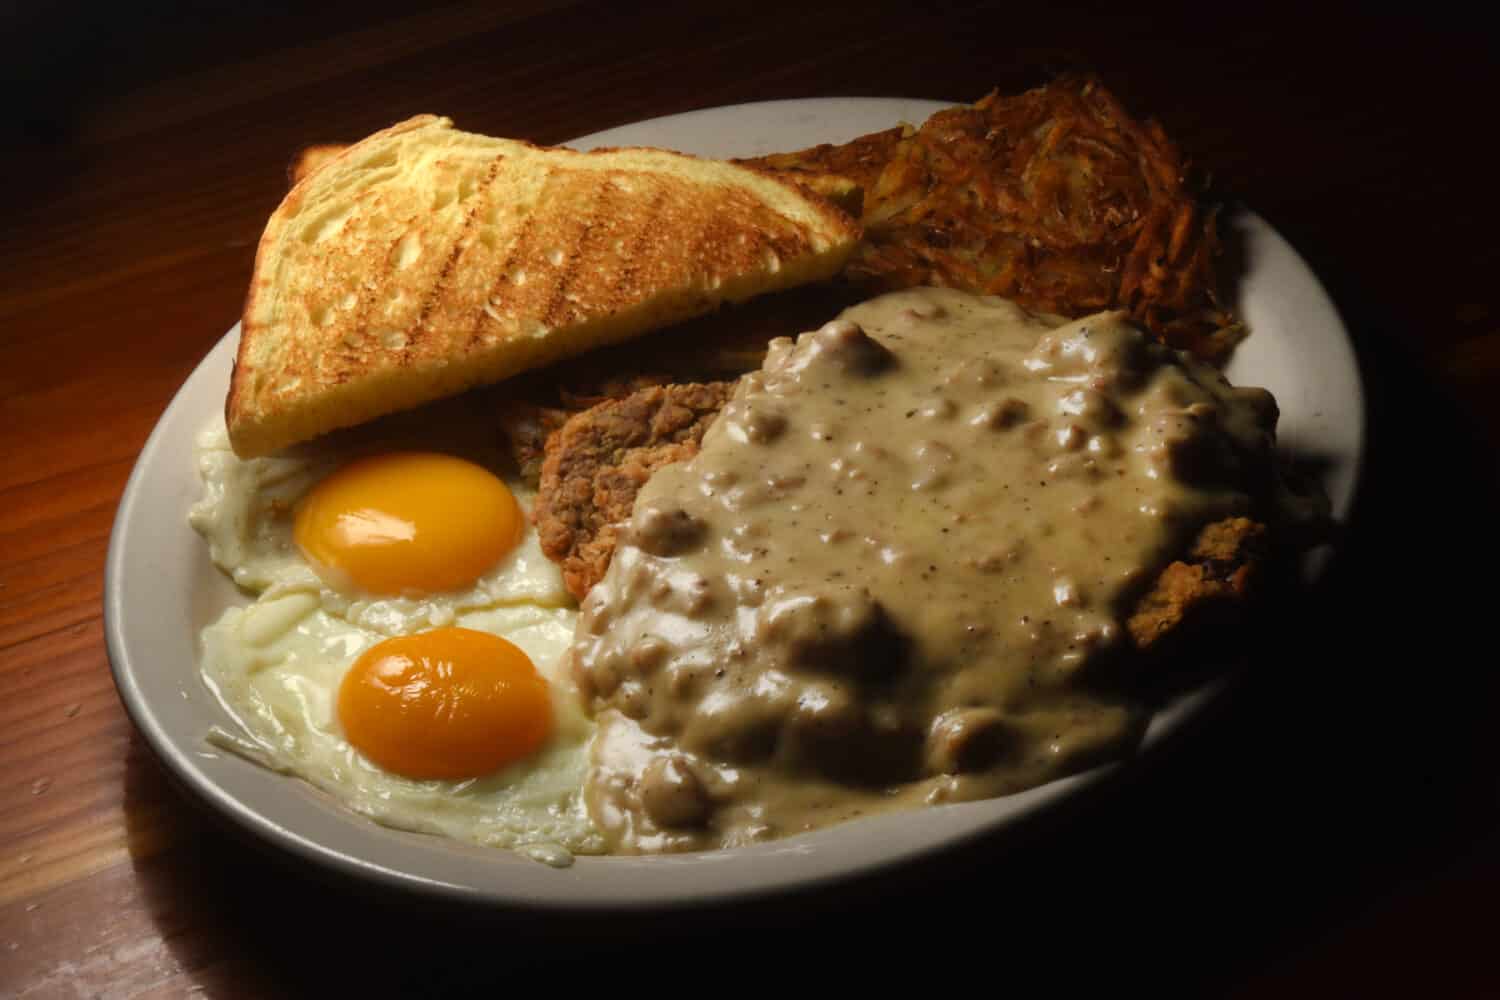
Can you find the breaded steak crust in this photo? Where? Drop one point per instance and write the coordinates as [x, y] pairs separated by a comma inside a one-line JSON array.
[[1218, 572], [597, 462]]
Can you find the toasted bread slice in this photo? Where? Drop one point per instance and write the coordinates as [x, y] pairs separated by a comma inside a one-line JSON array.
[[424, 260]]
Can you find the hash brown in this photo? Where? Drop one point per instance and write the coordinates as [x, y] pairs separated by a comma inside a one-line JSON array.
[[1057, 198]]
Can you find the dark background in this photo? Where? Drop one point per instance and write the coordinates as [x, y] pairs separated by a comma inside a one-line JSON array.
[[1331, 829]]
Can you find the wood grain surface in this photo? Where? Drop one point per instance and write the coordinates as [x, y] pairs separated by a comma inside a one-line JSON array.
[[1332, 830]]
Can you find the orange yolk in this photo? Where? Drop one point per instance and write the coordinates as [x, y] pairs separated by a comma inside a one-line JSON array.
[[407, 523], [449, 703]]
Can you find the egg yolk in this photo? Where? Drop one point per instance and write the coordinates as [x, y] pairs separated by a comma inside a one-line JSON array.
[[407, 523], [449, 703]]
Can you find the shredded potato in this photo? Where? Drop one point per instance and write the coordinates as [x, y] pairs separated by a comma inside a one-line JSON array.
[[1056, 198]]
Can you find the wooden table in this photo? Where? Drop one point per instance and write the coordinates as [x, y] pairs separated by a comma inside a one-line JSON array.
[[1332, 830]]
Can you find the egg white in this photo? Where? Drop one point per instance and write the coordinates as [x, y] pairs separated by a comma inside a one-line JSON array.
[[246, 516], [276, 665]]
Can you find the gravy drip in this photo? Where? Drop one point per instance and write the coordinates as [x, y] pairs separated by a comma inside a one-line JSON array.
[[885, 580]]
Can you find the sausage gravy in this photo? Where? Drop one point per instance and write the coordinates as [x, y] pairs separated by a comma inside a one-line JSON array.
[[890, 575]]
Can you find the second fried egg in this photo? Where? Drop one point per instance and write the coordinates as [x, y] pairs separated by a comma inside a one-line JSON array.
[[278, 666]]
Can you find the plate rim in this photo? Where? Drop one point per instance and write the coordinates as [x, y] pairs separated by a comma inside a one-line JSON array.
[[267, 830]]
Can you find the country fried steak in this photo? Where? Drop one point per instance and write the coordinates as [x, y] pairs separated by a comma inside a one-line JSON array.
[[528, 424], [1217, 573], [598, 460]]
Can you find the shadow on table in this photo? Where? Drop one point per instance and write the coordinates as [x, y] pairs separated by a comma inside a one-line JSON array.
[[1351, 763]]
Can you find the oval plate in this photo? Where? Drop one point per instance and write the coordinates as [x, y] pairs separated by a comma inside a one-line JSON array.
[[160, 590]]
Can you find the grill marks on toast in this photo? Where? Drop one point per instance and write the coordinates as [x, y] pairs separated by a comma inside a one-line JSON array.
[[505, 271], [636, 246], [420, 329], [568, 258], [369, 290], [725, 250], [535, 276], [355, 328]]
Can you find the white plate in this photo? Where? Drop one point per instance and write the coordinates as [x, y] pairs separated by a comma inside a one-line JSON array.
[[160, 589]]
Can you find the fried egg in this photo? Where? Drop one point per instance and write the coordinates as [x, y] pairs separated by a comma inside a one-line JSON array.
[[402, 650], [248, 516]]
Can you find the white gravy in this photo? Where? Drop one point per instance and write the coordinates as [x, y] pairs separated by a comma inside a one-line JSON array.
[[890, 575]]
